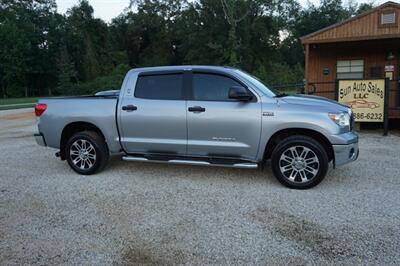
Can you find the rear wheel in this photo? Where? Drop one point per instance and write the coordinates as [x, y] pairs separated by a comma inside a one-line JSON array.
[[299, 162], [87, 152]]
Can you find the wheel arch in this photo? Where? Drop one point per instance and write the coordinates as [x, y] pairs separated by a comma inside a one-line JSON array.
[[73, 128], [284, 133]]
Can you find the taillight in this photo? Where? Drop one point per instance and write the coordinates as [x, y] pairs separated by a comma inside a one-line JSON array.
[[40, 108]]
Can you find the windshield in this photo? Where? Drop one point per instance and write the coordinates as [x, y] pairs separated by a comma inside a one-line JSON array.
[[259, 84]]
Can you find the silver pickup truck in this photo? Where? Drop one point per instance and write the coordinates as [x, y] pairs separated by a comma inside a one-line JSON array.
[[200, 115]]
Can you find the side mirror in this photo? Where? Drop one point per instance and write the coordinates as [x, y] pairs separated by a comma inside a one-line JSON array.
[[240, 94]]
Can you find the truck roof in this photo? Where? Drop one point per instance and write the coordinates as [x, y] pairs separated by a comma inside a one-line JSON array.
[[184, 67]]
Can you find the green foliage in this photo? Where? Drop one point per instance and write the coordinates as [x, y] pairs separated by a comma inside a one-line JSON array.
[[24, 45], [11, 101], [45, 53], [66, 73], [281, 73], [113, 81]]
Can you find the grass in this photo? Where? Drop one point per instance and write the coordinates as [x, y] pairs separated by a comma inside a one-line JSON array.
[[16, 103], [8, 101]]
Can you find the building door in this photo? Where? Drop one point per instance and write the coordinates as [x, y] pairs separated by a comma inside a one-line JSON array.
[[398, 80]]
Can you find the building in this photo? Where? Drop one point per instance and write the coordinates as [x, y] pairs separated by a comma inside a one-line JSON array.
[[366, 46]]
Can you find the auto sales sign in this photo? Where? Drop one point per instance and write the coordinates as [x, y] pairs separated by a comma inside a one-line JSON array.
[[365, 97]]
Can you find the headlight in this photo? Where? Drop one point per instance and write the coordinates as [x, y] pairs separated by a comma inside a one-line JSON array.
[[341, 119]]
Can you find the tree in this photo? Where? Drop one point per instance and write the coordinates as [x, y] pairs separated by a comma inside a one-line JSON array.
[[88, 42], [66, 73], [25, 46], [229, 8], [42, 52], [364, 7]]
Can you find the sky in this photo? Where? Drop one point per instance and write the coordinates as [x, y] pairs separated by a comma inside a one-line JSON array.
[[108, 9], [104, 9]]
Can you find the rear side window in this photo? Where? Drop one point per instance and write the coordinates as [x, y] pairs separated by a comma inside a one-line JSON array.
[[212, 87], [161, 87]]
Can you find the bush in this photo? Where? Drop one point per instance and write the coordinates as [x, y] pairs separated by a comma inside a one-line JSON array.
[[281, 74], [109, 82]]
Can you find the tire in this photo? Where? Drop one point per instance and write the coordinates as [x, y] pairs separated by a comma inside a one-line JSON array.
[[299, 162], [87, 152]]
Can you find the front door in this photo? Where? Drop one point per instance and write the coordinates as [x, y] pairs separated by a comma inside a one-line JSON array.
[[219, 126], [153, 120]]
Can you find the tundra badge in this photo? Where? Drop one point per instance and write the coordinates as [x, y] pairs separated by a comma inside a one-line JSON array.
[[268, 114]]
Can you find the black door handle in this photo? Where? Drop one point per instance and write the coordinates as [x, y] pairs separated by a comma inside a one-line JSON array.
[[197, 109], [129, 108]]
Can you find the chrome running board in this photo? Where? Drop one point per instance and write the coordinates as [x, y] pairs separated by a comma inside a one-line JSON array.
[[190, 162]]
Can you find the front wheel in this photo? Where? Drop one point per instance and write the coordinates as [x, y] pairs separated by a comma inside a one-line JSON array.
[[299, 162], [87, 152]]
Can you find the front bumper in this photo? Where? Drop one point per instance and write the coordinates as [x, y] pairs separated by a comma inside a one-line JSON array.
[[345, 153], [40, 139]]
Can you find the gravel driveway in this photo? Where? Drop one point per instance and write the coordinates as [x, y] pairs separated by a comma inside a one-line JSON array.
[[137, 213]]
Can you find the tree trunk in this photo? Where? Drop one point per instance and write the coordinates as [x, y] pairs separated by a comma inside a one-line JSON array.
[[232, 53], [3, 89]]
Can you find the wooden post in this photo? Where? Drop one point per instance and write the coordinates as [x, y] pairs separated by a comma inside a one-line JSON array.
[[306, 68], [336, 89], [386, 108]]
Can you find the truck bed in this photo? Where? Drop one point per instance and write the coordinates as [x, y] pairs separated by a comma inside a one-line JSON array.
[[95, 110]]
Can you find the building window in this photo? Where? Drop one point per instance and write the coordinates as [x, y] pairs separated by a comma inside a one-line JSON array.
[[388, 18], [350, 69]]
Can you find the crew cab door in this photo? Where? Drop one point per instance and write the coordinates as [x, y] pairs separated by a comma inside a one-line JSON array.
[[218, 125], [153, 114]]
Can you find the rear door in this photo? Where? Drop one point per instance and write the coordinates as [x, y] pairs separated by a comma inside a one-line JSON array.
[[217, 125], [153, 118]]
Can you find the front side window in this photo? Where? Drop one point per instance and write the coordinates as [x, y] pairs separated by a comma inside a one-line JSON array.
[[212, 87], [160, 87], [350, 69]]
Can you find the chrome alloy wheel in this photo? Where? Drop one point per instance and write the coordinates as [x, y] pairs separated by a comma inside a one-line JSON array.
[[83, 154], [299, 164]]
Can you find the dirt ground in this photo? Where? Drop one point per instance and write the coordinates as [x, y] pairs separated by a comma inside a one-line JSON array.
[[151, 214]]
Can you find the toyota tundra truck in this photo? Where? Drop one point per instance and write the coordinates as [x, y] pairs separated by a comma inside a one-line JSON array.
[[200, 115]]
